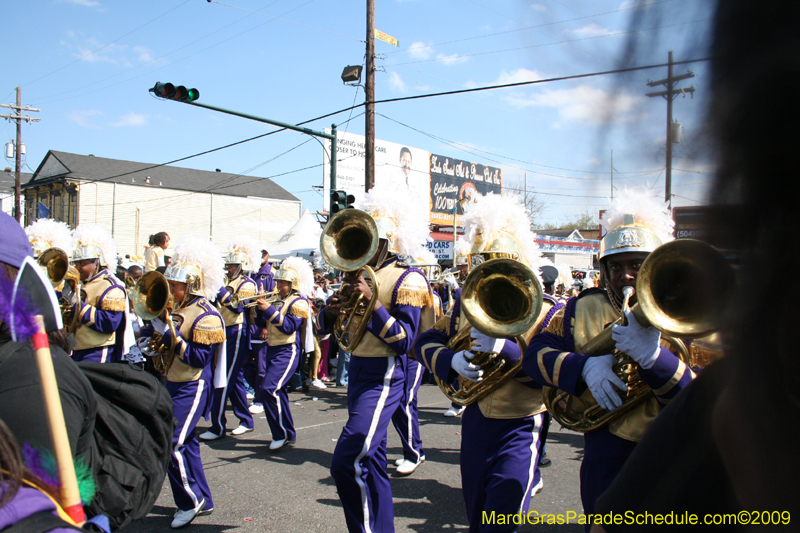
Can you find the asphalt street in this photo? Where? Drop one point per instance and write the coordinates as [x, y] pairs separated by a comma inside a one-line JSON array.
[[291, 490]]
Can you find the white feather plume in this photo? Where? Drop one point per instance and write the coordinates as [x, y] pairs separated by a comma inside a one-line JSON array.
[[565, 274], [647, 210], [56, 234], [251, 248], [305, 274], [100, 236], [409, 211], [494, 215], [194, 250]]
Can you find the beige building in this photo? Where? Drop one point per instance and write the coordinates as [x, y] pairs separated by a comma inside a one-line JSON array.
[[135, 200]]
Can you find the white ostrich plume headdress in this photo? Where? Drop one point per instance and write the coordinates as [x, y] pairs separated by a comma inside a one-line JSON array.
[[88, 236], [48, 233], [648, 211], [401, 215], [192, 252], [300, 273], [492, 217], [247, 245]]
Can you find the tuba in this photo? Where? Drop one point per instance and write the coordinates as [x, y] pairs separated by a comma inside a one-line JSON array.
[[501, 298], [349, 242], [683, 287], [66, 277], [151, 298]]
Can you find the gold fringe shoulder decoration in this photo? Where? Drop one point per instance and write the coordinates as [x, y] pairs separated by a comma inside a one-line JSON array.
[[443, 324], [246, 289], [300, 308], [209, 330], [556, 324], [414, 291], [114, 300]]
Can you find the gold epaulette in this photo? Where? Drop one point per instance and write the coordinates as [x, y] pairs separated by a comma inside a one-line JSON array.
[[556, 324], [443, 324], [114, 300], [299, 308], [246, 290], [414, 291], [209, 330]]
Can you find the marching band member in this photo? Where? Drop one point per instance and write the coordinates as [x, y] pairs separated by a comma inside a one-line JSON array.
[[242, 252], [101, 322], [255, 366], [500, 433], [194, 276], [406, 417], [287, 332], [636, 224], [377, 365]]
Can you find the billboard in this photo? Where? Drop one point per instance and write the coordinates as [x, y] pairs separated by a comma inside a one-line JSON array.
[[393, 162], [453, 180]]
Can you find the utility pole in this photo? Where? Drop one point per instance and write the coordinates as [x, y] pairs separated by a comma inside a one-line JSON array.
[[670, 95], [612, 175], [369, 95], [18, 148]]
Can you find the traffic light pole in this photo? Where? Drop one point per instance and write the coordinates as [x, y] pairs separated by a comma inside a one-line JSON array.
[[307, 131]]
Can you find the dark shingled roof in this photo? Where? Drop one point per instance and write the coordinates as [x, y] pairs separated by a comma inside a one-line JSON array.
[[7, 181], [57, 166]]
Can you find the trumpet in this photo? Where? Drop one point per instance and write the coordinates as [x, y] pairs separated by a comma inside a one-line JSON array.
[[252, 300]]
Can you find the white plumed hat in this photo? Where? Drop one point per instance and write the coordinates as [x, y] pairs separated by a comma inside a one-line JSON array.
[[198, 262], [48, 233]]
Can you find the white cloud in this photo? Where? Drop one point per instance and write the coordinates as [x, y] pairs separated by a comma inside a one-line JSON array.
[[397, 84], [539, 7], [131, 119], [590, 30], [516, 76], [81, 118], [91, 50], [420, 50], [452, 59], [583, 105], [593, 161]]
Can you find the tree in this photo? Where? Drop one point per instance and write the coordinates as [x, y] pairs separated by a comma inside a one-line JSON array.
[[534, 204], [587, 219]]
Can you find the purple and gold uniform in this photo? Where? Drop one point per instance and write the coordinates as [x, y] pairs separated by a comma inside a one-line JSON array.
[[238, 349], [500, 433], [551, 360], [285, 319], [189, 381], [374, 392], [255, 365], [101, 320]]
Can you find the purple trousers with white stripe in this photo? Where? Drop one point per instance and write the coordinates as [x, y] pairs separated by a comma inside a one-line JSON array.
[[499, 466], [185, 472], [406, 416], [374, 391], [237, 352], [281, 364]]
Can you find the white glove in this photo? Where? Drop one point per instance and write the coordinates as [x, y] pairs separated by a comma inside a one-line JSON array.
[[601, 380], [460, 363], [484, 343], [641, 344], [451, 281], [159, 325], [144, 345]]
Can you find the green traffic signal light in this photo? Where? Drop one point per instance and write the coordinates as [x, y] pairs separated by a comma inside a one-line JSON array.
[[170, 92]]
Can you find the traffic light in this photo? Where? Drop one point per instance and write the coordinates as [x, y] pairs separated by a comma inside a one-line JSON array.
[[341, 200], [179, 93]]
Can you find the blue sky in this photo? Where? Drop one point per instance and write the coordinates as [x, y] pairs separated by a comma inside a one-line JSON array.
[[88, 65]]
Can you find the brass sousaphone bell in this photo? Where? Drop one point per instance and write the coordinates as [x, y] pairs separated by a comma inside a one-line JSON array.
[[683, 288], [56, 263], [151, 298], [349, 241], [502, 298]]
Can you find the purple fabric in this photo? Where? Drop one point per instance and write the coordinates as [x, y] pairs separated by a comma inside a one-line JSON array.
[[26, 502], [499, 466], [15, 242], [359, 460], [406, 417], [282, 362], [237, 353]]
